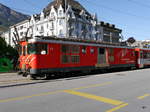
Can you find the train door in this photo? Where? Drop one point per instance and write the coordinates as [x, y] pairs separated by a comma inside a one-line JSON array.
[[139, 59], [101, 58]]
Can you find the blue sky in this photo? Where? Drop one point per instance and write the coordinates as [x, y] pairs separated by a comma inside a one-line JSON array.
[[132, 16]]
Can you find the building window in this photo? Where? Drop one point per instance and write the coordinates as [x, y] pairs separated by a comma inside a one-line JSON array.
[[42, 29], [90, 28], [77, 25], [52, 25], [52, 33], [60, 22], [21, 27], [60, 32], [21, 33], [52, 14], [47, 25]]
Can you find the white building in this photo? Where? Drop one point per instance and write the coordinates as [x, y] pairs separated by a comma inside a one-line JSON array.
[[70, 20]]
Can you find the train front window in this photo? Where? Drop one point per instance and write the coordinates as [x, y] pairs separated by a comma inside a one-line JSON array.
[[37, 49], [23, 50]]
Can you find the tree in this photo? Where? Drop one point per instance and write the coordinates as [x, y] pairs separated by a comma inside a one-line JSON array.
[[3, 46], [6, 51]]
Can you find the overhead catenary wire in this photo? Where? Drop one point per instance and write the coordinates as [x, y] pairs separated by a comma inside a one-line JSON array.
[[139, 3], [115, 10]]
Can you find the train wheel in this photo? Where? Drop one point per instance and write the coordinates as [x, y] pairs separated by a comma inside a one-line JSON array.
[[47, 77], [33, 77]]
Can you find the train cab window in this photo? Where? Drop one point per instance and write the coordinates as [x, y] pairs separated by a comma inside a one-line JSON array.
[[24, 50], [37, 49], [20, 50]]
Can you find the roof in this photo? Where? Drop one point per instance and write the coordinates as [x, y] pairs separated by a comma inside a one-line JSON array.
[[76, 6], [20, 23]]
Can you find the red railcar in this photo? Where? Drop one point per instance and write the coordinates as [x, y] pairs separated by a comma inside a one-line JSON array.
[[143, 57], [45, 57]]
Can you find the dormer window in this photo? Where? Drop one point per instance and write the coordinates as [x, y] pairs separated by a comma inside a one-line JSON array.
[[52, 14], [60, 12], [70, 14]]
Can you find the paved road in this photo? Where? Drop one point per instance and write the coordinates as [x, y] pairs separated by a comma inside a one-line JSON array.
[[112, 92]]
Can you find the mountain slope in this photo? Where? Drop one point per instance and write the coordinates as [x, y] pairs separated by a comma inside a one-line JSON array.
[[9, 17]]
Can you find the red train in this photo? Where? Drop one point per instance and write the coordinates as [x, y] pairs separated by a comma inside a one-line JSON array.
[[42, 58]]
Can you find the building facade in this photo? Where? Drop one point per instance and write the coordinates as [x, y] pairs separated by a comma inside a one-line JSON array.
[[68, 19]]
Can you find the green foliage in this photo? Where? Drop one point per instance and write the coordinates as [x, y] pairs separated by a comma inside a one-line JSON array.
[[3, 47], [7, 53], [7, 50], [5, 65]]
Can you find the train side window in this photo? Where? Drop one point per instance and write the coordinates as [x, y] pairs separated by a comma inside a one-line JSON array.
[[44, 49], [145, 55], [75, 59], [84, 49], [65, 48], [101, 51], [92, 50], [65, 59], [75, 49]]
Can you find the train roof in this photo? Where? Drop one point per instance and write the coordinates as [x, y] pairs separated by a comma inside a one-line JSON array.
[[79, 42]]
